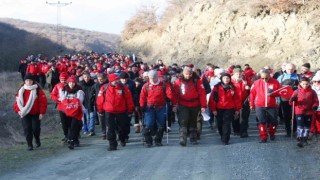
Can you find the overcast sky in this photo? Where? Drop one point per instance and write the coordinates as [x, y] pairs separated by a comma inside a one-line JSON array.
[[98, 15]]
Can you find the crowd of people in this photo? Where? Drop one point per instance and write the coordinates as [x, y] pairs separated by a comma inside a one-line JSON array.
[[112, 90]]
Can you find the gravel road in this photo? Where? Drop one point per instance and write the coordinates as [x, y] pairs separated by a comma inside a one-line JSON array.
[[242, 159]]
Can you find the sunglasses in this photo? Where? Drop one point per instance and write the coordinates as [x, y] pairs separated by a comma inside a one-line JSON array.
[[264, 78], [316, 81]]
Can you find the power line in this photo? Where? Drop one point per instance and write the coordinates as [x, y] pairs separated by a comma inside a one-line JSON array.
[[59, 5]]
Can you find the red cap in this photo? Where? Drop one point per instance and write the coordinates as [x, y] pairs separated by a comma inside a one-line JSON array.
[[113, 77], [63, 75], [191, 65], [72, 79]]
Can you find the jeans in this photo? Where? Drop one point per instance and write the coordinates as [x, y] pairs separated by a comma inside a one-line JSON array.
[[89, 121], [154, 115]]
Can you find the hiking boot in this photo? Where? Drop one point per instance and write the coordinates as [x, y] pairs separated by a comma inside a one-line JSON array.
[[263, 141], [194, 142], [122, 143], [38, 144], [226, 143], [182, 143], [126, 140], [71, 146], [76, 144], [30, 148], [244, 135], [300, 144], [158, 144], [272, 138], [183, 136]]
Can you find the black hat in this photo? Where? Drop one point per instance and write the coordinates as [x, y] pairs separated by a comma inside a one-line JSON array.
[[28, 76], [307, 65], [123, 75], [225, 74]]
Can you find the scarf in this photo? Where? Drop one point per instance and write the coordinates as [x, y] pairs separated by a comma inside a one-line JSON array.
[[24, 110]]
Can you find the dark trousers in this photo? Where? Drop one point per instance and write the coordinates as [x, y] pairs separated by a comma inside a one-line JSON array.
[[73, 126], [224, 119], [102, 121], [31, 126], [267, 115], [42, 80], [188, 116], [118, 122], [287, 116], [63, 120], [241, 123]]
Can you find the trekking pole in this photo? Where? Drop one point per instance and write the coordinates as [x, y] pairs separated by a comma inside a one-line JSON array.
[[167, 123], [292, 118]]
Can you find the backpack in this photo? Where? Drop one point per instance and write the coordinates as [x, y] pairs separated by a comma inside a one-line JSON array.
[[106, 87], [163, 88]]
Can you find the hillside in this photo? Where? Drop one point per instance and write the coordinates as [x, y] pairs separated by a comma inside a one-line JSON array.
[[19, 38], [227, 32]]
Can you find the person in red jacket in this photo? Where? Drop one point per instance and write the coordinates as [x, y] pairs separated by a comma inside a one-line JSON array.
[[116, 101], [153, 103], [34, 70], [71, 98], [31, 105], [305, 103], [240, 125], [225, 104], [263, 100], [191, 99], [55, 95]]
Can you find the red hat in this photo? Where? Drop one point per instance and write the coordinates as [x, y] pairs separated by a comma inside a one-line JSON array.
[[72, 79], [160, 73], [191, 65], [113, 77], [79, 71], [63, 75]]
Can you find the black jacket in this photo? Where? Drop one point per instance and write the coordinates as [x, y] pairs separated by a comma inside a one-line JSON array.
[[89, 97]]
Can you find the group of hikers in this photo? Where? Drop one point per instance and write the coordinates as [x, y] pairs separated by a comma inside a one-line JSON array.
[[112, 89]]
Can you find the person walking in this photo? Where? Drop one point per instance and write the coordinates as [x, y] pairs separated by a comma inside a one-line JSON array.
[[31, 105]]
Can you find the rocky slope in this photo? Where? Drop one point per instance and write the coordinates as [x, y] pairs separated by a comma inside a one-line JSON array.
[[224, 32]]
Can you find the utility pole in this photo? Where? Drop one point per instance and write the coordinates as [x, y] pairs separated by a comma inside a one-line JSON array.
[[59, 5]]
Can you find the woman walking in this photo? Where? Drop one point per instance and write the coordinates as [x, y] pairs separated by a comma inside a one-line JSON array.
[[31, 105]]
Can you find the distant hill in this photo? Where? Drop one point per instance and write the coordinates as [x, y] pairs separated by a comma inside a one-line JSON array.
[[225, 32], [19, 38]]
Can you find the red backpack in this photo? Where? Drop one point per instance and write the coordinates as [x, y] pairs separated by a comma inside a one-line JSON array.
[[72, 108]]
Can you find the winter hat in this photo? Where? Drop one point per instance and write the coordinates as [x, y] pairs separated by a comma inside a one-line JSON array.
[[113, 77], [316, 77], [219, 71], [236, 70], [191, 65], [63, 75], [123, 75], [72, 79], [153, 74], [307, 65], [28, 76], [145, 74], [225, 74]]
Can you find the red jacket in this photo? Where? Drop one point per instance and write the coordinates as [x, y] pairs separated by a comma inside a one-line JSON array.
[[44, 68], [156, 95], [55, 95], [307, 98], [189, 93], [259, 91], [113, 100], [240, 90], [249, 73], [229, 99], [39, 106], [62, 68], [33, 69]]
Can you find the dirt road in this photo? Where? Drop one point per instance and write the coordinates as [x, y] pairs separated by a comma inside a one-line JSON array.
[[242, 159]]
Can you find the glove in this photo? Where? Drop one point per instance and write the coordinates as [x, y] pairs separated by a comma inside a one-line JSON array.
[[314, 108], [294, 98]]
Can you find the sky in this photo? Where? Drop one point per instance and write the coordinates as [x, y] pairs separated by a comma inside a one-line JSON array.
[[98, 15]]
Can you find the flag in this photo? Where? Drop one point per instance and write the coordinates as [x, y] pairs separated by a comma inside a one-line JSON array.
[[286, 92]]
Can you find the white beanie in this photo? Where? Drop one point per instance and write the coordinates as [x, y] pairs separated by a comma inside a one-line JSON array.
[[218, 72], [316, 77], [153, 74]]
